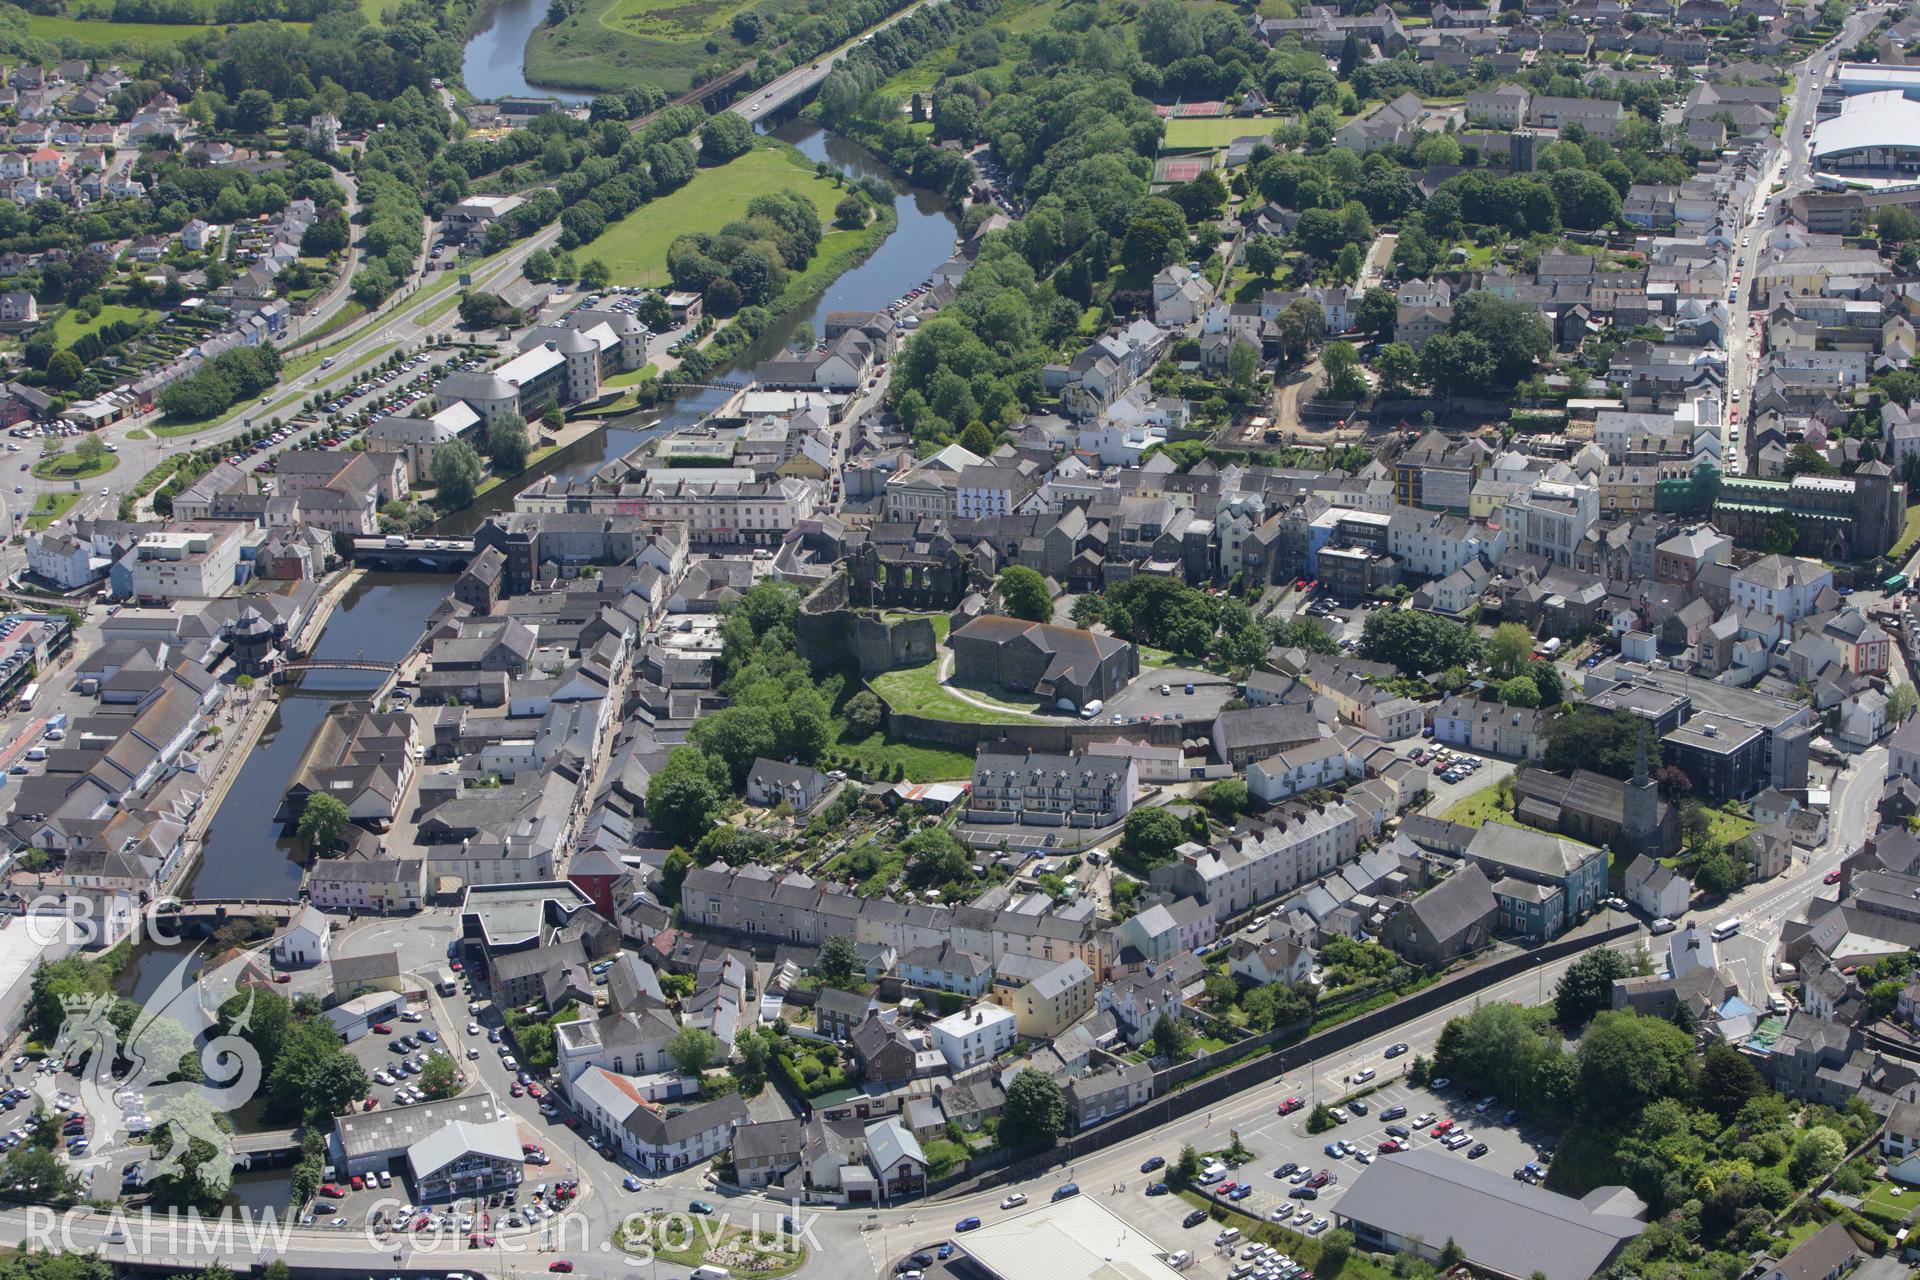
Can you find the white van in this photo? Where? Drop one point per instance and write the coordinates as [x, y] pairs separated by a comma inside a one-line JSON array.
[[1228, 1237], [1726, 929], [710, 1273], [1092, 709], [1180, 1259]]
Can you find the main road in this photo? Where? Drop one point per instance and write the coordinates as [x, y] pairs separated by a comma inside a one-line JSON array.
[[1789, 168]]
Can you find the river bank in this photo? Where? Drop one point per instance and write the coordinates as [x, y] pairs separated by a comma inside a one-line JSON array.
[[259, 707], [924, 235], [243, 852]]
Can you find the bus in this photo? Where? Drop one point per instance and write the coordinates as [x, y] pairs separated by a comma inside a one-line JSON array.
[[1895, 584], [27, 697]]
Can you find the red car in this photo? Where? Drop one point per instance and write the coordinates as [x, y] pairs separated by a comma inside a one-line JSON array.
[[1227, 1188], [1290, 1106], [456, 966], [515, 1089], [1832, 877], [283, 977], [381, 1028], [562, 1266], [370, 1104], [358, 1183], [534, 1090], [532, 1149], [1391, 1144], [332, 1189]]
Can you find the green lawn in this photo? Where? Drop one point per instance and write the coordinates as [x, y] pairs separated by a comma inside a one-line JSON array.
[[72, 326], [139, 36], [917, 691], [635, 248], [1729, 829], [1205, 135], [609, 44], [1909, 535], [1882, 1197], [1481, 807], [49, 507], [62, 465]]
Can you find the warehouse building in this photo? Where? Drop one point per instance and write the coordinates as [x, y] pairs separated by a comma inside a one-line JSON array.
[[1418, 1200]]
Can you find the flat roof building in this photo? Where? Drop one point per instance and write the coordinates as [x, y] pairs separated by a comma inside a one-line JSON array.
[[1074, 1239]]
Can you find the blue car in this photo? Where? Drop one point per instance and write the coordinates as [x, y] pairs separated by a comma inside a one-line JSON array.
[[1333, 1149], [1241, 1192], [945, 1250], [430, 1035], [967, 1224], [630, 1183]]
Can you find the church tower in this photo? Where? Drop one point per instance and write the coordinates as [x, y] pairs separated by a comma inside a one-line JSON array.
[[1640, 808]]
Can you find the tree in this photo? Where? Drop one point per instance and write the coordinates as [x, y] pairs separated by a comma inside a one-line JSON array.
[[1626, 1061], [692, 1048], [1520, 691], [1510, 649], [323, 820], [1264, 254], [1397, 367], [507, 444], [1023, 594], [595, 274], [850, 214], [1156, 234], [1377, 313], [1901, 702], [934, 858], [977, 440], [1151, 834], [1417, 642], [1172, 1037], [839, 960], [1335, 1248], [456, 474], [864, 713], [1036, 1112], [1226, 799], [1816, 1153], [1672, 782], [1718, 874], [1243, 364], [683, 795], [1782, 534], [64, 369], [1604, 741], [1727, 1081], [1344, 379], [1587, 986], [724, 136], [315, 1077], [1185, 1168], [439, 1078]]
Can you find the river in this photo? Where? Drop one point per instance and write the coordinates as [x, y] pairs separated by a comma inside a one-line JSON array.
[[922, 241], [495, 62], [243, 856]]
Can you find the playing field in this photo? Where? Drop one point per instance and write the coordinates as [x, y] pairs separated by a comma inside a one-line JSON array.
[[72, 326], [635, 248], [608, 44], [1185, 135], [131, 35]]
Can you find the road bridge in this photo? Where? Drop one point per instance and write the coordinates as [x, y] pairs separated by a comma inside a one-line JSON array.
[[413, 555]]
